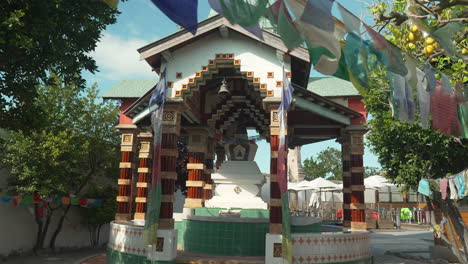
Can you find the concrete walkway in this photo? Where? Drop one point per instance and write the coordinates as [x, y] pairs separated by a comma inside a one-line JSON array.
[[67, 257], [401, 246]]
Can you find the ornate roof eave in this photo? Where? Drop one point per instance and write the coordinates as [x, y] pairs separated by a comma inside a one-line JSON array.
[[320, 105], [152, 52]]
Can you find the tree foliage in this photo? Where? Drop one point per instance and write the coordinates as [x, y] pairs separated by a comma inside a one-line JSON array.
[[75, 144], [95, 217], [407, 152], [40, 36], [327, 164]]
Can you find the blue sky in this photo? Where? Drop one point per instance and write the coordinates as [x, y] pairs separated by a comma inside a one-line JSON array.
[[142, 23]]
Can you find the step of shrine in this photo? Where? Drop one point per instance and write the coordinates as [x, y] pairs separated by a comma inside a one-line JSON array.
[[192, 258]]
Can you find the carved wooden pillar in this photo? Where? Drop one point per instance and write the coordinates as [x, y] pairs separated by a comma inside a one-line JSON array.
[[169, 153], [144, 174], [128, 149], [276, 219], [209, 158], [346, 160], [197, 147], [353, 186]]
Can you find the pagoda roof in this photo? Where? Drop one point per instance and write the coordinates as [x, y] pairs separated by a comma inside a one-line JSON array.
[[130, 88], [323, 86], [331, 87]]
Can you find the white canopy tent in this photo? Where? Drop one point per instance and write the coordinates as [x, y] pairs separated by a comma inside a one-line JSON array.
[[376, 182]]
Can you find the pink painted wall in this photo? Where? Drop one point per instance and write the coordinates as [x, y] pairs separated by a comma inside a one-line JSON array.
[[123, 119], [357, 105]]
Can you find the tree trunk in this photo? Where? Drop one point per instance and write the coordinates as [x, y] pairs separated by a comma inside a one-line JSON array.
[[39, 239], [451, 212], [98, 234], [58, 228], [42, 228]]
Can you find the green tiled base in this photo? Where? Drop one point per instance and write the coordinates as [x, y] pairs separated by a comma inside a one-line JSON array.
[[307, 228], [117, 257], [221, 238]]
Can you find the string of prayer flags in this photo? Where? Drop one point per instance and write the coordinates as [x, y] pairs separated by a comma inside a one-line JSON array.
[[182, 12], [312, 23], [27, 199], [455, 183]]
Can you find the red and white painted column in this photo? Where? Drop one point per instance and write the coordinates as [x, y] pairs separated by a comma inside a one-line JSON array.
[[144, 174], [197, 148], [127, 166]]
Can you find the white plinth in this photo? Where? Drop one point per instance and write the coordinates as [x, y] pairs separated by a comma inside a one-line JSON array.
[[169, 249], [237, 186], [270, 241]]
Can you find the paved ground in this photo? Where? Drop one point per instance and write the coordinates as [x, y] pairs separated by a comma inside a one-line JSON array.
[[387, 248], [67, 257]]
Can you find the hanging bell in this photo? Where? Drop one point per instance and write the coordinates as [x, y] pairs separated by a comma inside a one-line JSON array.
[[223, 90]]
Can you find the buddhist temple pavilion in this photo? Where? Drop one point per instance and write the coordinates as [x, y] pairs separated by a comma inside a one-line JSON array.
[[222, 81]]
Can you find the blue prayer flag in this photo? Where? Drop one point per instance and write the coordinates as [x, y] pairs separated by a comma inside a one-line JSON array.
[[182, 12]]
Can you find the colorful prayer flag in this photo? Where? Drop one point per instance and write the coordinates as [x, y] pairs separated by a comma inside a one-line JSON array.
[[286, 99], [318, 13], [278, 15], [351, 22], [424, 99], [393, 58], [156, 106], [444, 112], [182, 12], [6, 199], [241, 12], [75, 201]]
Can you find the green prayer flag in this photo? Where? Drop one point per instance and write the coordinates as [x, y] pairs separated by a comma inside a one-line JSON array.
[[316, 52], [27, 199], [287, 239], [75, 201], [463, 118], [279, 16], [444, 35], [243, 13]]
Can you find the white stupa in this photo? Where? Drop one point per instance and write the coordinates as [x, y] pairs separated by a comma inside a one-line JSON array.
[[238, 180]]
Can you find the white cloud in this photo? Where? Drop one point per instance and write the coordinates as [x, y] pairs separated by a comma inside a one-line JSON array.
[[117, 58]]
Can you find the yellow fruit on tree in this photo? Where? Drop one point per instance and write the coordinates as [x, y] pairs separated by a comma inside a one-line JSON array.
[[414, 28], [428, 50], [411, 36], [464, 51], [429, 41], [411, 46], [436, 46]]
